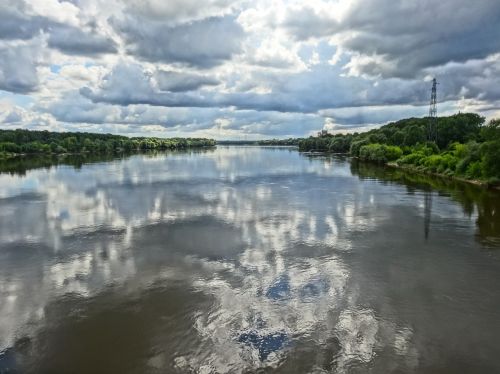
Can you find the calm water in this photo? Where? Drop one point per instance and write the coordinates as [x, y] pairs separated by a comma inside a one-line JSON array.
[[242, 260]]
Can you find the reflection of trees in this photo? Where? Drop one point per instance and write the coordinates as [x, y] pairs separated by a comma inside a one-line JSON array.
[[488, 220], [21, 164], [473, 199]]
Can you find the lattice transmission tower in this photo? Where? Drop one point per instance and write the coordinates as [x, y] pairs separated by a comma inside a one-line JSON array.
[[432, 125]]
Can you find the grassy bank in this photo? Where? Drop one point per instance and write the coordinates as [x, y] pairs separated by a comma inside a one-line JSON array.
[[492, 183]]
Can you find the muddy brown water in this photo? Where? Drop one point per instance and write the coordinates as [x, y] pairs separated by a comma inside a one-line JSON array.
[[243, 260]]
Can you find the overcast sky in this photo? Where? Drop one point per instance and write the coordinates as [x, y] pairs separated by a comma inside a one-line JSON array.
[[243, 69]]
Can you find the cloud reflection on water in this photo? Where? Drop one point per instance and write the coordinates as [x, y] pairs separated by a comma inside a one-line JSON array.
[[264, 244]]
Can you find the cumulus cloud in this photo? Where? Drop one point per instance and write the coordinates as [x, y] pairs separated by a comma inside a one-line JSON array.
[[17, 24], [131, 84], [309, 20], [183, 81], [399, 39], [475, 79], [18, 67], [272, 54], [75, 41], [20, 21], [13, 116], [204, 43], [179, 11], [78, 112]]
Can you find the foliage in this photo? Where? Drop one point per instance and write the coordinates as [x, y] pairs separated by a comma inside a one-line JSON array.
[[490, 149], [287, 142], [356, 146], [464, 148], [380, 153], [326, 143], [45, 142], [461, 127], [472, 160]]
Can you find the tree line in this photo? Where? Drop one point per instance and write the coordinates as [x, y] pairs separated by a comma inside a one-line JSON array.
[[13, 142], [264, 142], [281, 142], [466, 147]]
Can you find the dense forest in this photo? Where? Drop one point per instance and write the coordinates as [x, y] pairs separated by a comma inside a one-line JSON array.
[[13, 142], [465, 146]]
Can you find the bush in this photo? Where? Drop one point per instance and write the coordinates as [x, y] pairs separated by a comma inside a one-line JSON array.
[[393, 152], [433, 162], [491, 158], [474, 170], [412, 159], [458, 150], [9, 147], [449, 162], [356, 146], [380, 153]]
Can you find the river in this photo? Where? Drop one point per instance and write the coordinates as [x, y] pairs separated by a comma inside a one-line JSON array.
[[245, 259]]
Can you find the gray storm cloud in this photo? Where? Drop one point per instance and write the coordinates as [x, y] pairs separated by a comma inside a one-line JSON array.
[[203, 43], [18, 68], [409, 35]]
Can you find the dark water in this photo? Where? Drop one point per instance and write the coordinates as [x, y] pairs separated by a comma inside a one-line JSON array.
[[243, 260]]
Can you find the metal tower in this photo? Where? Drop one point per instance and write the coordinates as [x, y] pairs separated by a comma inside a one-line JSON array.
[[432, 126]]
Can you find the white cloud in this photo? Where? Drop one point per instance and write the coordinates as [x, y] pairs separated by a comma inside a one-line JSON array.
[[174, 12], [60, 11]]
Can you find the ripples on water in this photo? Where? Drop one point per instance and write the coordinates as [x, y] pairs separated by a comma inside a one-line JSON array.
[[243, 259]]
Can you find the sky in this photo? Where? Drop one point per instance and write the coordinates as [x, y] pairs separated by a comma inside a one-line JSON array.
[[243, 69]]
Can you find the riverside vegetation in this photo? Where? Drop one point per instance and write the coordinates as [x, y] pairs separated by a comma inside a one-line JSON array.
[[15, 142], [465, 148]]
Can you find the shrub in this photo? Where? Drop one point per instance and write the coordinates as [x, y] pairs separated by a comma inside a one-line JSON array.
[[433, 162], [10, 147], [393, 152], [491, 158], [356, 146], [474, 170], [380, 153]]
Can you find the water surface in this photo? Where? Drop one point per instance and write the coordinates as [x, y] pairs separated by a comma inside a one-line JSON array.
[[245, 259]]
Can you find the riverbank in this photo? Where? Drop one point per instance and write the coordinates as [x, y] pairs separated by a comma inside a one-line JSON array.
[[413, 169], [465, 148]]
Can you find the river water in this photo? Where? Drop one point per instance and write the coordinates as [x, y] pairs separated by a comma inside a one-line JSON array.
[[243, 260]]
